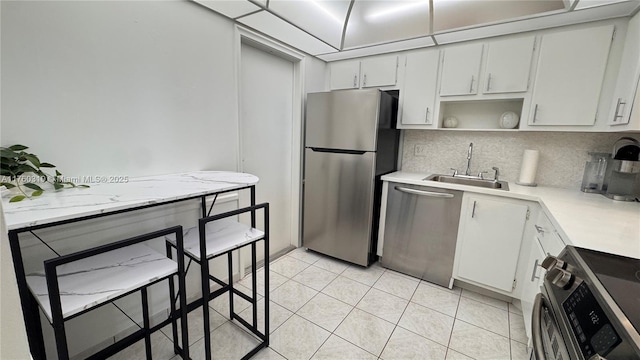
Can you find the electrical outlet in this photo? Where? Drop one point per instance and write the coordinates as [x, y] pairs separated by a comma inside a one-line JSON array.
[[420, 150]]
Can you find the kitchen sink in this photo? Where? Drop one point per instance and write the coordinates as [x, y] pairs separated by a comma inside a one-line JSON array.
[[472, 181]]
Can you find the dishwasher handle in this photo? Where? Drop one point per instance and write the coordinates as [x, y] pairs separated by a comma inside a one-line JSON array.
[[423, 192]]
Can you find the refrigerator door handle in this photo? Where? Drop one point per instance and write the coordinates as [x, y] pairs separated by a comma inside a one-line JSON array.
[[338, 151], [423, 193]]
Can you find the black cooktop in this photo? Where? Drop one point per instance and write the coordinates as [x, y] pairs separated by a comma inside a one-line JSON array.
[[620, 276]]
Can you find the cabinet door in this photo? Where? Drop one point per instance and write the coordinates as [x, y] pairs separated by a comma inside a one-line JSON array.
[[628, 76], [380, 71], [532, 282], [460, 70], [570, 71], [419, 93], [509, 65], [345, 75], [490, 242]]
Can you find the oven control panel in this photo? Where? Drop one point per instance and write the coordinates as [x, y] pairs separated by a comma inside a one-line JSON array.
[[591, 327]]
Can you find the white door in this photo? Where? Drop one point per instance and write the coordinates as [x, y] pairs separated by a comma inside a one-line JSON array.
[[345, 75], [489, 241], [419, 94], [380, 71], [266, 131], [569, 77], [509, 65], [461, 70]]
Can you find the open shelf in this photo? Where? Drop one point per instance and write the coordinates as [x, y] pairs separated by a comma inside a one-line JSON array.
[[478, 114]]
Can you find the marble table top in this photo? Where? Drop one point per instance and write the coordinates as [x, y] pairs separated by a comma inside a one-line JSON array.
[[72, 203]]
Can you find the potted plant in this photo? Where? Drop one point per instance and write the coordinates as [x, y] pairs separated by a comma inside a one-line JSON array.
[[15, 162]]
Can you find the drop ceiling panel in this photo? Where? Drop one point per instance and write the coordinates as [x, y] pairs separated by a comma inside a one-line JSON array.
[[380, 49], [382, 21], [323, 18], [540, 22], [583, 4], [229, 8], [277, 28], [464, 13]]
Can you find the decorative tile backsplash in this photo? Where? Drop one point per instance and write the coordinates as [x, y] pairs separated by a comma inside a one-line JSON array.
[[561, 162]]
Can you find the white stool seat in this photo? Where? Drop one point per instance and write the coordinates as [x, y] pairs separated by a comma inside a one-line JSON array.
[[221, 235], [97, 279]]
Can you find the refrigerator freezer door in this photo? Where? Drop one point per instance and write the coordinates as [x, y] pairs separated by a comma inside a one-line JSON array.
[[338, 204], [346, 119]]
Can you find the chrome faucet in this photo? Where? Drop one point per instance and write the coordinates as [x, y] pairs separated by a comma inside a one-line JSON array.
[[469, 154]]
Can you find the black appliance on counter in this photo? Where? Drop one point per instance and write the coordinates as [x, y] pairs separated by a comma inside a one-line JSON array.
[[589, 307]]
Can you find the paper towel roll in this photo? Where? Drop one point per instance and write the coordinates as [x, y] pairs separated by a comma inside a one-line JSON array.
[[529, 168]]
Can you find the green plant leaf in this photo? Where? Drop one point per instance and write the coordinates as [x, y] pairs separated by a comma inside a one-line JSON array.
[[5, 172], [25, 168], [46, 165], [37, 193], [8, 185], [69, 183], [17, 198], [18, 147], [84, 186], [6, 153], [34, 159], [33, 186], [8, 162], [57, 186]]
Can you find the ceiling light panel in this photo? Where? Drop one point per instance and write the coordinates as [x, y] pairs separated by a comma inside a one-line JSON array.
[[454, 14], [381, 21], [229, 8], [583, 4], [323, 18]]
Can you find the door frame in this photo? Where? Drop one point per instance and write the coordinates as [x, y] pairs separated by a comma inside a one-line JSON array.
[[249, 37]]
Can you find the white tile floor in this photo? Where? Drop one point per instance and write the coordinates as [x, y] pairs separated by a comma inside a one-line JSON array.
[[322, 308]]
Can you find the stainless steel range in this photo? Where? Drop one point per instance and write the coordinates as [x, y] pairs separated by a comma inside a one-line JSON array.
[[589, 307]]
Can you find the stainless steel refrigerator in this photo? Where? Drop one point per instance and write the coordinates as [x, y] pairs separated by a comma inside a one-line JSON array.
[[350, 142]]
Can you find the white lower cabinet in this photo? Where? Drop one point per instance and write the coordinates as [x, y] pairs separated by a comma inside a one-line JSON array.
[[489, 239], [544, 242]]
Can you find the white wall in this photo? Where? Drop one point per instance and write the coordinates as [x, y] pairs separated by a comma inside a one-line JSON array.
[[119, 88]]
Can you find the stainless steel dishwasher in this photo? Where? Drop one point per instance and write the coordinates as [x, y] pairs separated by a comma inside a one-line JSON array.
[[420, 233]]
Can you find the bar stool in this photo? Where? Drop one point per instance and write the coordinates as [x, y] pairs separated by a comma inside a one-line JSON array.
[[77, 283], [218, 235]]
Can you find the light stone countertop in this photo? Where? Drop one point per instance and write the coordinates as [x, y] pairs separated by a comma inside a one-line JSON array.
[[72, 203], [585, 220]]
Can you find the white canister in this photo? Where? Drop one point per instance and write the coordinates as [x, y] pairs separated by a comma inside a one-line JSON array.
[[450, 122], [529, 168]]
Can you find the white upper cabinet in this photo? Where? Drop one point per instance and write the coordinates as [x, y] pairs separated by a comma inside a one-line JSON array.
[[418, 95], [508, 65], [461, 70], [345, 75], [628, 77], [571, 68], [380, 71]]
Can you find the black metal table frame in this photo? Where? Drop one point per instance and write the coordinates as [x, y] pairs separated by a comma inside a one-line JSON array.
[[228, 287], [30, 309]]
